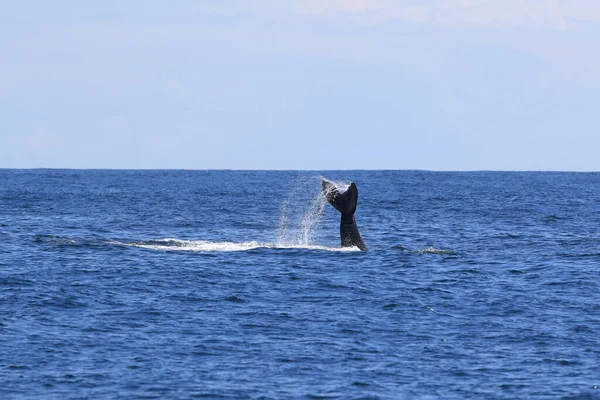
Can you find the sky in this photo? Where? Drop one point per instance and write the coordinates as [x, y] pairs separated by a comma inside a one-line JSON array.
[[301, 84]]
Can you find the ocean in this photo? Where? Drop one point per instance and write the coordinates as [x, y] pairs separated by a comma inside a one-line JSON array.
[[233, 285]]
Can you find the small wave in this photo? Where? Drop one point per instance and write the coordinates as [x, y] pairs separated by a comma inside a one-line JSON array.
[[429, 250], [208, 246], [432, 250], [53, 239]]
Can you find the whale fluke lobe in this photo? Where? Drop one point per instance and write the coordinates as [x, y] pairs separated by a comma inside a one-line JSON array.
[[332, 194], [345, 203]]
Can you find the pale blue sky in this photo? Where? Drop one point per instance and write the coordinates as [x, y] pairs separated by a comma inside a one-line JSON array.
[[306, 84]]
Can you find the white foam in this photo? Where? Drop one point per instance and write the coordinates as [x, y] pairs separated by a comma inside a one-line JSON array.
[[170, 244]]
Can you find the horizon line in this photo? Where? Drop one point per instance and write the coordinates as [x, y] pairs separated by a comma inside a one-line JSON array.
[[297, 170]]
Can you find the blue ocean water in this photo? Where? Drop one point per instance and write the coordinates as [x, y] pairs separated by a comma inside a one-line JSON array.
[[223, 284]]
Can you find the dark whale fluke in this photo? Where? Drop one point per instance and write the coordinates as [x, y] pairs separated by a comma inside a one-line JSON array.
[[346, 204]]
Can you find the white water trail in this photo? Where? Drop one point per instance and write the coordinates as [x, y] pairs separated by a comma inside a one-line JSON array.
[[171, 244]]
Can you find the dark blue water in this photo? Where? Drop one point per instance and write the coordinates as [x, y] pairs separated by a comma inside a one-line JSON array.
[[195, 284]]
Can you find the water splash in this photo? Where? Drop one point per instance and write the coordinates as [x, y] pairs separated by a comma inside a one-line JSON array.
[[311, 218], [302, 212], [341, 186]]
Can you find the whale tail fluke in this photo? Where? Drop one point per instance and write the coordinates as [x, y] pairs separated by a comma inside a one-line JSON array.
[[343, 202]]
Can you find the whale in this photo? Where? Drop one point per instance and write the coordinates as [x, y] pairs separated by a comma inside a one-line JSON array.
[[345, 203]]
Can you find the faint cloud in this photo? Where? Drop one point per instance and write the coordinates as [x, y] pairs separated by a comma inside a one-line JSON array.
[[116, 125], [549, 14], [335, 6], [41, 140], [174, 87]]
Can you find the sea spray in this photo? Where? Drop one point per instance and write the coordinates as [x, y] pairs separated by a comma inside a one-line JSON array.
[[302, 211], [311, 219]]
